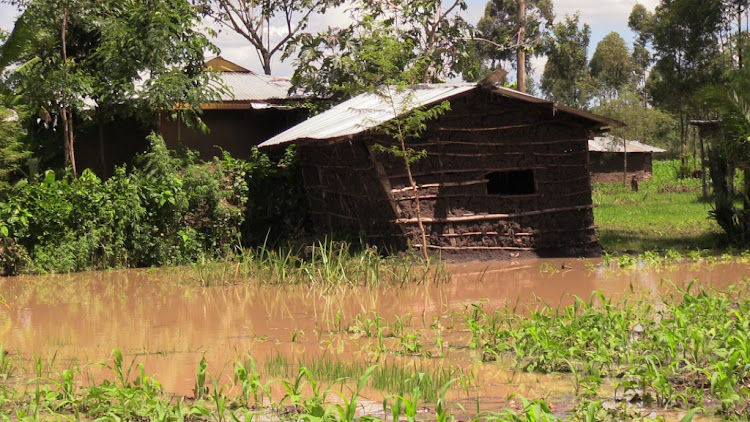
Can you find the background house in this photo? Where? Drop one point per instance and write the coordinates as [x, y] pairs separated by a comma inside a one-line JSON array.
[[255, 108], [503, 171], [607, 159]]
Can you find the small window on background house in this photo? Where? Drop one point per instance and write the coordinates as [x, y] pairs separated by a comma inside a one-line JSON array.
[[516, 182]]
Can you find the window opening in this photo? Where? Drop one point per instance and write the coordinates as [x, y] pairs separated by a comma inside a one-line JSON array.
[[516, 182]]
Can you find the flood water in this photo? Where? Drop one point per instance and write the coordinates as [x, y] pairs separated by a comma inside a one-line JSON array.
[[168, 324]]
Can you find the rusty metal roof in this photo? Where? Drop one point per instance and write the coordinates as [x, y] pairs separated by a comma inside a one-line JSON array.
[[370, 110], [611, 144]]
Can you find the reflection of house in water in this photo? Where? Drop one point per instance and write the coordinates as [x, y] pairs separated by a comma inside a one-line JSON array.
[[256, 108], [607, 159], [502, 171]]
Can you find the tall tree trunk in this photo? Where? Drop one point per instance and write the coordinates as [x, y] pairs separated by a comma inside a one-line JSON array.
[[266, 63], [521, 75], [740, 45], [71, 138], [65, 113]]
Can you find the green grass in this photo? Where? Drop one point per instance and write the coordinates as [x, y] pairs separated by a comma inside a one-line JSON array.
[[666, 213], [327, 265], [389, 377]]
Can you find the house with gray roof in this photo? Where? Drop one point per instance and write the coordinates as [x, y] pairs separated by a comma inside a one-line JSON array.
[[500, 173], [607, 159], [254, 108]]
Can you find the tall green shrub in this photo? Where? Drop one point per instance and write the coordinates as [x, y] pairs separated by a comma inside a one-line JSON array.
[[165, 211]]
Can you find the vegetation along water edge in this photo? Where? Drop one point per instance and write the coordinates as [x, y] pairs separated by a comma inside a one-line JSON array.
[[678, 354]]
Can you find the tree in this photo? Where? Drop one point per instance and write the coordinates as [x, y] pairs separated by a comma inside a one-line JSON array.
[[500, 27], [13, 151], [565, 78], [684, 38], [612, 65], [731, 149], [647, 124], [389, 42], [258, 21], [81, 54]]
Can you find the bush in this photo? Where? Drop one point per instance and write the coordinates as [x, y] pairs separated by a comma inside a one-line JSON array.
[[166, 211]]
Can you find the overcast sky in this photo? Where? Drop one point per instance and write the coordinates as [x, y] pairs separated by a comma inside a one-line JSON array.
[[603, 16]]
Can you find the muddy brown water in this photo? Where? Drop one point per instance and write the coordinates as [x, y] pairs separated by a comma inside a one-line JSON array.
[[167, 323]]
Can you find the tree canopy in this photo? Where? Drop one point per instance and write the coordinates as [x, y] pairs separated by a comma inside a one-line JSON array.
[[388, 42], [499, 25], [612, 65], [565, 78], [94, 54]]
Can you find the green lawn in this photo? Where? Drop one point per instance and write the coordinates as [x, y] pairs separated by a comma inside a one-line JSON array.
[[666, 213]]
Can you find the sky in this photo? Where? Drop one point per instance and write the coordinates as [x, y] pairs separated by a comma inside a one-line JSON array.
[[603, 16]]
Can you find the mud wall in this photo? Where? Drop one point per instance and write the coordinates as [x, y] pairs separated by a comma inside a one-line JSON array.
[[483, 137], [346, 197], [608, 166]]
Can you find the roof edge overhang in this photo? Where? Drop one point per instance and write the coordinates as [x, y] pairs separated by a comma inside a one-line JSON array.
[[600, 124]]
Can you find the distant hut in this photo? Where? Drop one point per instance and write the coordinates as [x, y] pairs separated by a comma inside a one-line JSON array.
[[607, 160], [504, 172], [255, 108]]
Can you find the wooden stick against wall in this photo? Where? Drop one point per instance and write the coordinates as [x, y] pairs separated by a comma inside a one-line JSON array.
[[440, 185], [485, 129], [481, 217], [386, 183], [489, 248]]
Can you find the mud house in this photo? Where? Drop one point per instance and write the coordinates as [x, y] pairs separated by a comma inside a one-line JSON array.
[[503, 171], [607, 159], [255, 108]]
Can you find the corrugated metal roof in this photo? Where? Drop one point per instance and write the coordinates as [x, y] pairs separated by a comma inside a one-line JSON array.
[[250, 86], [364, 112], [612, 144], [369, 110]]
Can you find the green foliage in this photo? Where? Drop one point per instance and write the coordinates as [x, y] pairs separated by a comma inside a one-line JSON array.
[[13, 152], [649, 125], [276, 208], [686, 37], [566, 78], [611, 65], [499, 24], [730, 149], [697, 337], [665, 213], [140, 57], [388, 43], [166, 211]]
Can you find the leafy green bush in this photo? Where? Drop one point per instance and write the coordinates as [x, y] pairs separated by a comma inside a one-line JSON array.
[[166, 211]]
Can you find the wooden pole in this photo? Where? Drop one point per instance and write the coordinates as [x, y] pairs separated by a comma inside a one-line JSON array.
[[624, 162], [704, 185], [521, 76]]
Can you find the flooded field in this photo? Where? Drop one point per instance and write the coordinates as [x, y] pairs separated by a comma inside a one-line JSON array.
[[167, 322]]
